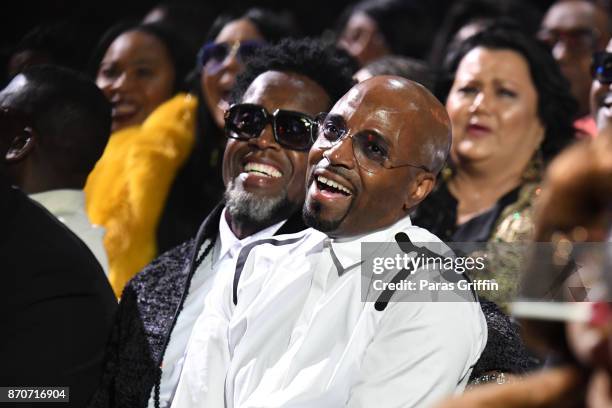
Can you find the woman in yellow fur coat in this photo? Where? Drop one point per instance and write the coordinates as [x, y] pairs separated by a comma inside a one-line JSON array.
[[140, 70]]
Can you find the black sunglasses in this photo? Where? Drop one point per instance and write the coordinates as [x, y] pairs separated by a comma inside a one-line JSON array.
[[601, 69], [214, 54], [293, 130]]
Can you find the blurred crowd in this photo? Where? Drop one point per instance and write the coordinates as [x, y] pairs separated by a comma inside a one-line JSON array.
[[136, 177]]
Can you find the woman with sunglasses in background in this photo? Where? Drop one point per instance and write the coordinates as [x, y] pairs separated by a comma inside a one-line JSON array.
[[161, 170], [511, 111]]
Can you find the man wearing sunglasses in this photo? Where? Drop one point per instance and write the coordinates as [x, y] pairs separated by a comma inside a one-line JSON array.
[[270, 129], [288, 326], [601, 89]]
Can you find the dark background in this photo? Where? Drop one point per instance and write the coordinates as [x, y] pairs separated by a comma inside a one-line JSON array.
[[94, 17]]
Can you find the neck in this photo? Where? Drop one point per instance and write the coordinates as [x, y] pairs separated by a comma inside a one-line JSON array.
[[36, 176], [244, 229], [477, 190]]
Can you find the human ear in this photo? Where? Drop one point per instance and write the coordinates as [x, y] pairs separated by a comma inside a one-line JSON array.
[[21, 145], [423, 183]]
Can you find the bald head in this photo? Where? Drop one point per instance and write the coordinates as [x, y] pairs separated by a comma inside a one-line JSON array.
[[408, 112], [385, 138]]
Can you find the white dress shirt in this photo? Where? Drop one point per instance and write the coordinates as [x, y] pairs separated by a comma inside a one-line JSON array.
[[300, 336], [222, 256], [68, 206]]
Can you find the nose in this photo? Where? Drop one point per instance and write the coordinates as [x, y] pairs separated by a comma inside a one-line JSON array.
[[265, 140], [341, 154], [560, 51], [122, 82], [480, 103]]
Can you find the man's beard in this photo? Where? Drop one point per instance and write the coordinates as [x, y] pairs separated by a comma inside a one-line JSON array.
[[255, 211]]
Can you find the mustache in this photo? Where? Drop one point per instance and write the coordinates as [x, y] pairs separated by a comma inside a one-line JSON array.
[[339, 170]]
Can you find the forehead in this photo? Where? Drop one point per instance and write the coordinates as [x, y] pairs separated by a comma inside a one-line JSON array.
[[394, 113], [281, 90], [136, 44], [492, 64], [570, 15], [238, 30]]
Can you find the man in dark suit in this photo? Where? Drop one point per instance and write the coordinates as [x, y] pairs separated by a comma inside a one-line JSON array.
[[269, 133], [57, 306]]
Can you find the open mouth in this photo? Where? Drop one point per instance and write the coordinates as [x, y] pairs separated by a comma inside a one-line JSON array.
[[330, 186], [261, 169]]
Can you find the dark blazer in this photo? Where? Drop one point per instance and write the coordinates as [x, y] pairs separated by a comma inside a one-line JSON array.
[[56, 305], [149, 306]]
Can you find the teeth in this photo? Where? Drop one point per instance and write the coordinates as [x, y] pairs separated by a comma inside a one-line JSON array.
[[333, 184], [262, 168]]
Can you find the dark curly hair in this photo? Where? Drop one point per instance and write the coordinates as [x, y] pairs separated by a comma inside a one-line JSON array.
[[557, 108], [326, 65]]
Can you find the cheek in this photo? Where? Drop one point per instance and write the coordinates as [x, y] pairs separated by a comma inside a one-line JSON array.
[[158, 90], [210, 85], [231, 160], [520, 123], [296, 189], [458, 113]]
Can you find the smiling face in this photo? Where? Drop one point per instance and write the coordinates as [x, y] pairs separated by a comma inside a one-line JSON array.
[[136, 75], [601, 101], [217, 83], [343, 198], [265, 181], [493, 108]]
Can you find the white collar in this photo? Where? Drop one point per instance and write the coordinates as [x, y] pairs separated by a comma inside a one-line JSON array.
[[61, 201], [348, 250], [228, 240]]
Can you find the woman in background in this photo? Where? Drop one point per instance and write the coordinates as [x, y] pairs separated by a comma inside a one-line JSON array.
[[511, 112], [141, 70]]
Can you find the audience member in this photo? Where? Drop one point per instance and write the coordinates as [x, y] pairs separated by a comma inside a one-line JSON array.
[[306, 337], [409, 68], [56, 304], [601, 92], [511, 112], [372, 29], [264, 167], [139, 69], [68, 127], [574, 30]]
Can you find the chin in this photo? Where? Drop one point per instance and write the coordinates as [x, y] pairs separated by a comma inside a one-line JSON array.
[[313, 218]]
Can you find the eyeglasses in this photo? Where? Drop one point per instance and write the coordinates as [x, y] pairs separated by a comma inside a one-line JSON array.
[[601, 69], [212, 55], [293, 130], [371, 149], [577, 41]]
